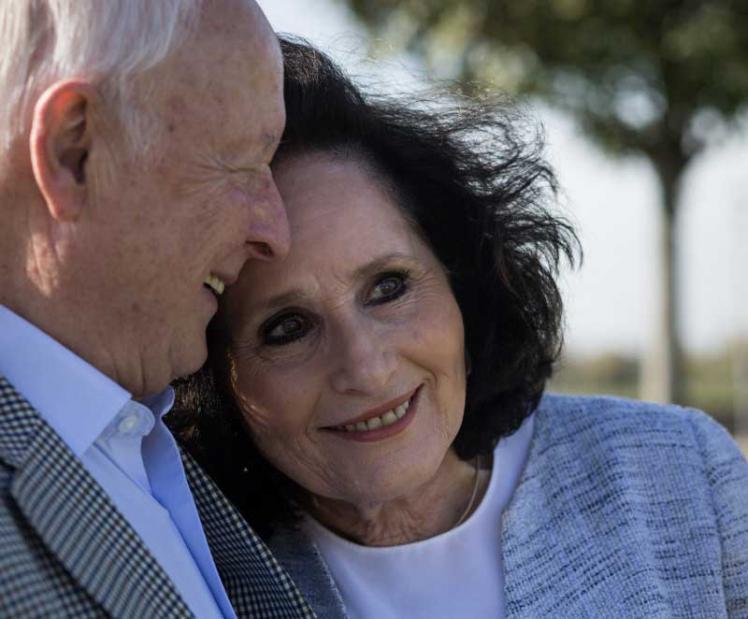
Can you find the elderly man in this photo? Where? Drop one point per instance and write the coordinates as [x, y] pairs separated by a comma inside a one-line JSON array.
[[134, 184]]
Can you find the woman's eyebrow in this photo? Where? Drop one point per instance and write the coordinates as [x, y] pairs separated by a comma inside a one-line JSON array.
[[299, 296], [290, 297], [382, 262]]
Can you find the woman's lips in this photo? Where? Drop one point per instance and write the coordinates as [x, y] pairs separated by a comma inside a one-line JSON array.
[[382, 422]]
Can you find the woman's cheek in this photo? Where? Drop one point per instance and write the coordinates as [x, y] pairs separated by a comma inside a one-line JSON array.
[[269, 406], [251, 387]]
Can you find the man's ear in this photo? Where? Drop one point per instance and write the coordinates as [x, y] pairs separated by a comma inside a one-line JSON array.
[[59, 143]]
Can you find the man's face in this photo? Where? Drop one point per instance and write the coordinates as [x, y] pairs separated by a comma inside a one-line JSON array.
[[205, 202]]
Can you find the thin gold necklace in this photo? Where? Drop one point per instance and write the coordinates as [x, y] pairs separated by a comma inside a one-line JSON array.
[[473, 494]]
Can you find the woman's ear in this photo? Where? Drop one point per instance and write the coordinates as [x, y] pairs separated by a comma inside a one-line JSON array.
[[59, 143]]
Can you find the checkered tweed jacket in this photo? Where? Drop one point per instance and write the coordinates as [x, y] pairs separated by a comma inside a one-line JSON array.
[[625, 510], [65, 550]]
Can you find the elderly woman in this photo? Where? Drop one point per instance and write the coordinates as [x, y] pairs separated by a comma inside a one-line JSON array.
[[374, 403]]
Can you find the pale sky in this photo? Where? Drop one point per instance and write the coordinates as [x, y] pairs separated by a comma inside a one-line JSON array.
[[612, 301]]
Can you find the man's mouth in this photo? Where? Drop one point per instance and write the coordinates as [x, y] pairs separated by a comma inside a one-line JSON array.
[[215, 283]]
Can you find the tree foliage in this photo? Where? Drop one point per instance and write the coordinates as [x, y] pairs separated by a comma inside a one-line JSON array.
[[647, 77], [643, 76]]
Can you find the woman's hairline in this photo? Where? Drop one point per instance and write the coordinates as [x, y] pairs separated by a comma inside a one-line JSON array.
[[357, 153]]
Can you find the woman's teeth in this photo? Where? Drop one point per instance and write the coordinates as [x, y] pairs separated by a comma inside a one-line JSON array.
[[215, 283], [384, 420]]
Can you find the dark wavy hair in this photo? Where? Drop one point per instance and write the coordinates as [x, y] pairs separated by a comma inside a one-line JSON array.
[[472, 178]]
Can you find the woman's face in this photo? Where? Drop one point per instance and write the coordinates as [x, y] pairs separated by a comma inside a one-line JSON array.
[[348, 356]]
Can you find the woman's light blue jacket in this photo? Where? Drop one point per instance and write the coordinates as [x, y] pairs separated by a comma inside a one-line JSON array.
[[624, 509]]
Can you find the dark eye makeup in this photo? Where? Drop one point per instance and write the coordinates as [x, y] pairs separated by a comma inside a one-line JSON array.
[[285, 327], [292, 324], [387, 287]]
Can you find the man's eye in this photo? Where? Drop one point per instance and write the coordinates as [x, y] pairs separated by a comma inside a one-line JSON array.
[[388, 287], [284, 329]]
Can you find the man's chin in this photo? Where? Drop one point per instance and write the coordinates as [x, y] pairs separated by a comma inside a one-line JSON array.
[[187, 356], [192, 361]]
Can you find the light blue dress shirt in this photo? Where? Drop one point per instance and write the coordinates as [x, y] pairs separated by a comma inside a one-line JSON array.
[[127, 448]]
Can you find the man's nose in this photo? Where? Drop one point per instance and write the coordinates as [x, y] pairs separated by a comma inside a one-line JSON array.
[[268, 234]]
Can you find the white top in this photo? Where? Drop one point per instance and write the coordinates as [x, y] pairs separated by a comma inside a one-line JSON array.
[[456, 574], [126, 447]]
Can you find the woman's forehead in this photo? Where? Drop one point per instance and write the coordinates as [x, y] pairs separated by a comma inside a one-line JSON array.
[[324, 194], [345, 227]]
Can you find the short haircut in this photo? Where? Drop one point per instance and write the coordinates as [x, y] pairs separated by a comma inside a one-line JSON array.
[[473, 180], [110, 42]]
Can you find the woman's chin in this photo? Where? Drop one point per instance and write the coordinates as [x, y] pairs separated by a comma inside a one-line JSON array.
[[397, 482]]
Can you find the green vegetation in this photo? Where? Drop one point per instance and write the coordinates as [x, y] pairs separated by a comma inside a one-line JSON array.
[[653, 79], [711, 379]]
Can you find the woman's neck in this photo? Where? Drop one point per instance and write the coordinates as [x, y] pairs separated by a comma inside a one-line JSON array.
[[429, 510]]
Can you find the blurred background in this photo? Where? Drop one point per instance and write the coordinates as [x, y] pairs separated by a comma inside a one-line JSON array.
[[644, 110]]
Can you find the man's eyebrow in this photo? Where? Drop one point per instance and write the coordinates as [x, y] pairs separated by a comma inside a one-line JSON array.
[[238, 158], [271, 137], [271, 140]]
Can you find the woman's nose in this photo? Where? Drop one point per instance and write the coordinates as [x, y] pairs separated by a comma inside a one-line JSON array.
[[364, 359]]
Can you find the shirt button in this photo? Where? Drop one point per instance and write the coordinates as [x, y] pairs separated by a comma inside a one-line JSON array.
[[128, 424]]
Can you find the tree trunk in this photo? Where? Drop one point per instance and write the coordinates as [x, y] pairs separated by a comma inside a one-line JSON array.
[[663, 379], [740, 387]]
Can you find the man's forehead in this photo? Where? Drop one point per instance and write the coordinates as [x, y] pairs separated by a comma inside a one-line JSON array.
[[242, 22], [222, 16], [222, 95], [224, 28], [229, 74]]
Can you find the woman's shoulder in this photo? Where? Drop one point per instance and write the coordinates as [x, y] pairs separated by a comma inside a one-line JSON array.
[[656, 448], [606, 422], [612, 483]]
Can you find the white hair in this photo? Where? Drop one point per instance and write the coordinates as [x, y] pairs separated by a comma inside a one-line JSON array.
[[106, 41]]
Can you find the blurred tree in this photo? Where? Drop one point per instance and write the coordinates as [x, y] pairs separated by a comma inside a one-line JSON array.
[[654, 78]]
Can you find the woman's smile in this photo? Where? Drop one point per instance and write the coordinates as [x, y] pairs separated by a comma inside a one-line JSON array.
[[349, 358], [384, 422]]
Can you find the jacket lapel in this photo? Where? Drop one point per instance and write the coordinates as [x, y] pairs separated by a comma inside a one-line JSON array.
[[255, 583], [77, 521], [303, 561], [547, 545], [563, 550]]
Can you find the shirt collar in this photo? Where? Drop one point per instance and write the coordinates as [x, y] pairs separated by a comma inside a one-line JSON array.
[[160, 403], [72, 396]]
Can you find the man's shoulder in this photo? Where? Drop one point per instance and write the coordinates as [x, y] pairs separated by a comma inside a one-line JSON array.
[[34, 583], [19, 423]]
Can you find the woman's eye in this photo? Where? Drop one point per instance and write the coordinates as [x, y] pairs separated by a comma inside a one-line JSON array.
[[388, 287], [284, 329]]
